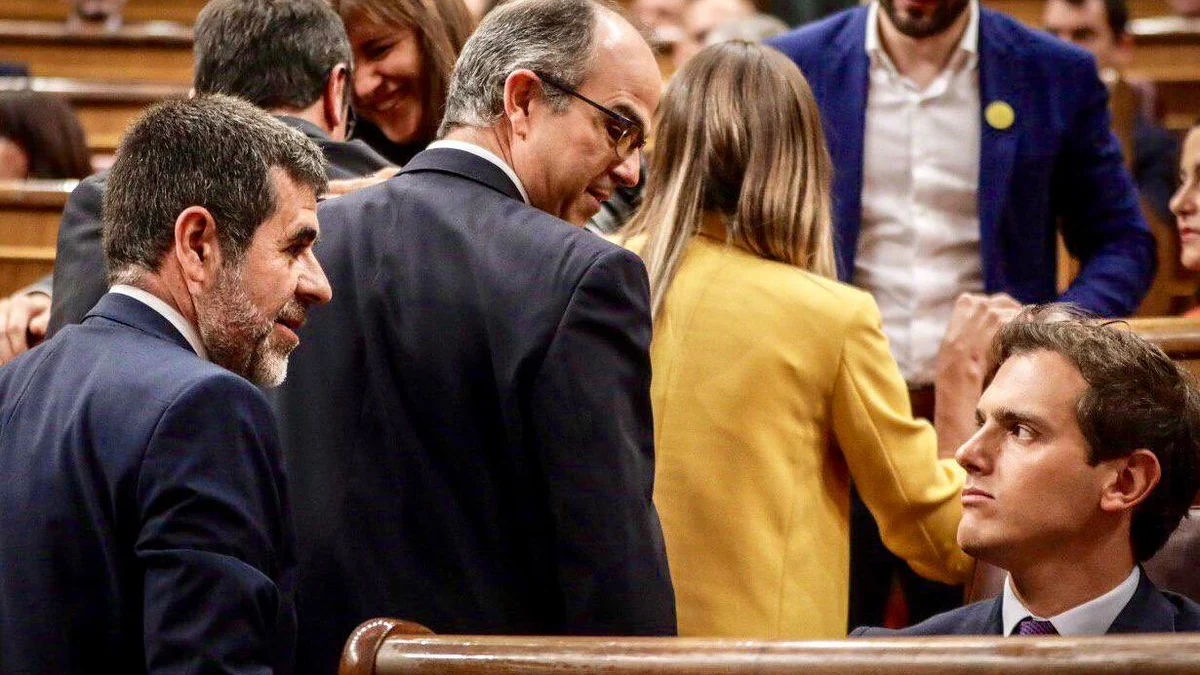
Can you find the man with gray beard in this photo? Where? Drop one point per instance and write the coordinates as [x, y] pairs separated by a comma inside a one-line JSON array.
[[145, 522]]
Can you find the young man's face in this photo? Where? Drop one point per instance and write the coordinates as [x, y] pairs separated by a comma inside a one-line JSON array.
[[1085, 26], [1030, 491]]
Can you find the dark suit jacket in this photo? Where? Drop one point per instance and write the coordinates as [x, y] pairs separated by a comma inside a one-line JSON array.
[[79, 271], [1059, 160], [467, 424], [144, 523], [1149, 611]]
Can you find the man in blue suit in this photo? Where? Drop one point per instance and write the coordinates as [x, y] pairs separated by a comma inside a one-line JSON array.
[[962, 142], [144, 521], [1084, 463]]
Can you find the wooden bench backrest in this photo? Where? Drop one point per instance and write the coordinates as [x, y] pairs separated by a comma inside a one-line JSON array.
[[29, 215], [144, 52]]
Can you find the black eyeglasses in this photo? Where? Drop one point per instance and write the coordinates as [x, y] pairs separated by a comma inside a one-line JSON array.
[[625, 134]]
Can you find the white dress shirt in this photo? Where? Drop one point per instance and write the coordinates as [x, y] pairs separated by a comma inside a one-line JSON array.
[[169, 313], [1091, 618], [490, 156], [919, 243]]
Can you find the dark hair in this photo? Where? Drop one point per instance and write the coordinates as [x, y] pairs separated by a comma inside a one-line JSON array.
[[1137, 397], [1116, 12], [213, 151], [442, 26], [48, 132], [273, 53]]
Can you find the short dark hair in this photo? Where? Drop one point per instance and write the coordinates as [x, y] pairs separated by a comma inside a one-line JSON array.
[[214, 151], [1137, 397], [48, 132], [273, 53], [1116, 13]]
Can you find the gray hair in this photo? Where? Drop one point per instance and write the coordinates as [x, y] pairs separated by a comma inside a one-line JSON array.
[[555, 38], [216, 152], [273, 53]]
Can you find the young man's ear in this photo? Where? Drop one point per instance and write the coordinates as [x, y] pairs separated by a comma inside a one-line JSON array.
[[197, 250], [521, 89], [1135, 476], [335, 101]]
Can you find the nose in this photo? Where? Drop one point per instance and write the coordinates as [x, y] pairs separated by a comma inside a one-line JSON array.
[[975, 455], [627, 172], [366, 80], [313, 288], [1184, 201]]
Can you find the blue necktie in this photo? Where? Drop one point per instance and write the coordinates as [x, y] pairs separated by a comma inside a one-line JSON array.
[[1031, 626]]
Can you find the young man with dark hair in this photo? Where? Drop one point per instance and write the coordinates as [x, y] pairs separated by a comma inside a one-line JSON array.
[[1084, 463], [145, 522]]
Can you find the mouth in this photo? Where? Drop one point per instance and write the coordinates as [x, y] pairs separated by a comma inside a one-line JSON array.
[[973, 495], [1188, 233], [600, 195]]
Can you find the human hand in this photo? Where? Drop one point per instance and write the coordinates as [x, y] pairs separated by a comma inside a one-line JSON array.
[[24, 318]]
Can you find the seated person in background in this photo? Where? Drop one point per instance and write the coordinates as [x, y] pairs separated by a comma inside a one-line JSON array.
[[1085, 461], [773, 383], [1187, 8], [755, 28], [1099, 26], [144, 521], [96, 12], [700, 17], [40, 137], [289, 57], [1185, 204]]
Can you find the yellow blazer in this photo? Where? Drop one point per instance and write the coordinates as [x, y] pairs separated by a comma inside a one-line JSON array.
[[772, 388]]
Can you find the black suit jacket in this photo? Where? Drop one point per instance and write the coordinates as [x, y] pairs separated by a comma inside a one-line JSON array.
[[144, 519], [467, 424], [1148, 611], [80, 276]]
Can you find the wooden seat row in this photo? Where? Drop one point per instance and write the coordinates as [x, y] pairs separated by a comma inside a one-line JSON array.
[[136, 11], [148, 52], [390, 647], [29, 215]]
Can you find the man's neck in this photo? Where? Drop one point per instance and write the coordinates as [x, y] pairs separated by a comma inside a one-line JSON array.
[[492, 139], [172, 292], [313, 116], [1052, 586], [921, 59]]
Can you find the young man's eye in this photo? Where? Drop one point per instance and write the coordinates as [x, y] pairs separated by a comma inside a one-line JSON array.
[[1022, 432]]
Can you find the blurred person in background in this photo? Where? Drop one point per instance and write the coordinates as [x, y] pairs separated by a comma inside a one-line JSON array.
[[106, 13], [404, 52], [40, 137], [773, 382]]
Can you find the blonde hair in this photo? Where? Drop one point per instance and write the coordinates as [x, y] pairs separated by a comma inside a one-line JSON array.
[[739, 135]]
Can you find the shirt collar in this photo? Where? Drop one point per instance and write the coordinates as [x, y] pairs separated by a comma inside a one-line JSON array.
[[480, 151], [968, 45], [169, 313], [1093, 617]]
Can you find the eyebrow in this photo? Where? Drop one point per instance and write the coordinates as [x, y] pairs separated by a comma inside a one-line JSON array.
[[628, 111], [1009, 417], [305, 235]]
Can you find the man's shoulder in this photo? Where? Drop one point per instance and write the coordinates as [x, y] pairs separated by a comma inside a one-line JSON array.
[[1035, 46], [839, 31], [980, 618], [1187, 612]]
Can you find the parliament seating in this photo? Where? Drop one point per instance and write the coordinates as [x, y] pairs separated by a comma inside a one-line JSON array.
[[1029, 12], [1167, 52], [29, 215], [179, 11], [148, 52], [390, 647], [105, 109]]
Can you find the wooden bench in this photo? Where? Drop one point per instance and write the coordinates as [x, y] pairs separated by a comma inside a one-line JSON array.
[[105, 109], [1167, 52], [1029, 12], [179, 11], [155, 52], [390, 647], [29, 215]]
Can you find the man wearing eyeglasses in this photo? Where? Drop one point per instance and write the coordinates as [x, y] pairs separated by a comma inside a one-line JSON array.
[[468, 427]]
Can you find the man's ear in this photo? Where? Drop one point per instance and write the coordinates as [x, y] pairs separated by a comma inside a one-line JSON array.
[[1134, 477], [197, 250], [335, 101], [522, 89]]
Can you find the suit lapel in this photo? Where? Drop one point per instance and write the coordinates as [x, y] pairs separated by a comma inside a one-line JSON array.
[[998, 83], [138, 315], [845, 126], [1146, 612], [465, 164]]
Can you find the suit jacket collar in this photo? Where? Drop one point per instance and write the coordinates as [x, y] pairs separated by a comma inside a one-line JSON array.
[[137, 315], [1148, 611], [466, 165], [305, 127]]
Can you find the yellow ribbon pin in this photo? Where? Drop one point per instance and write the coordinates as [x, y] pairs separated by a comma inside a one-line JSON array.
[[999, 115]]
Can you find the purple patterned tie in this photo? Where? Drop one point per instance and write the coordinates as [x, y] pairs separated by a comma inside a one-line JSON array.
[[1031, 626]]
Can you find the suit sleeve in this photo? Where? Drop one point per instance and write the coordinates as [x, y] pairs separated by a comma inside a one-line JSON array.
[[1102, 222], [216, 545], [893, 458], [79, 269], [590, 411]]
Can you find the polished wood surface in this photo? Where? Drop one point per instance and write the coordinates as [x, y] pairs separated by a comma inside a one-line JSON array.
[[181, 11], [29, 216], [1167, 52], [1029, 12], [464, 655], [142, 53], [105, 109]]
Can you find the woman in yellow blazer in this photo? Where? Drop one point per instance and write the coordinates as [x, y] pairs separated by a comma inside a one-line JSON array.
[[773, 384]]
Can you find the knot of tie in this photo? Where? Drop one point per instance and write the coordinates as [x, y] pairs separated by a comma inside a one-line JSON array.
[[1031, 626]]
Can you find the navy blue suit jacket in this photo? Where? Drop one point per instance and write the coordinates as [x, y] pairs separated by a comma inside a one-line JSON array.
[[1148, 611], [467, 424], [1058, 160], [144, 523]]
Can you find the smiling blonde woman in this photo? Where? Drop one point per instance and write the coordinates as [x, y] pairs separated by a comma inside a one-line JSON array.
[[773, 385]]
